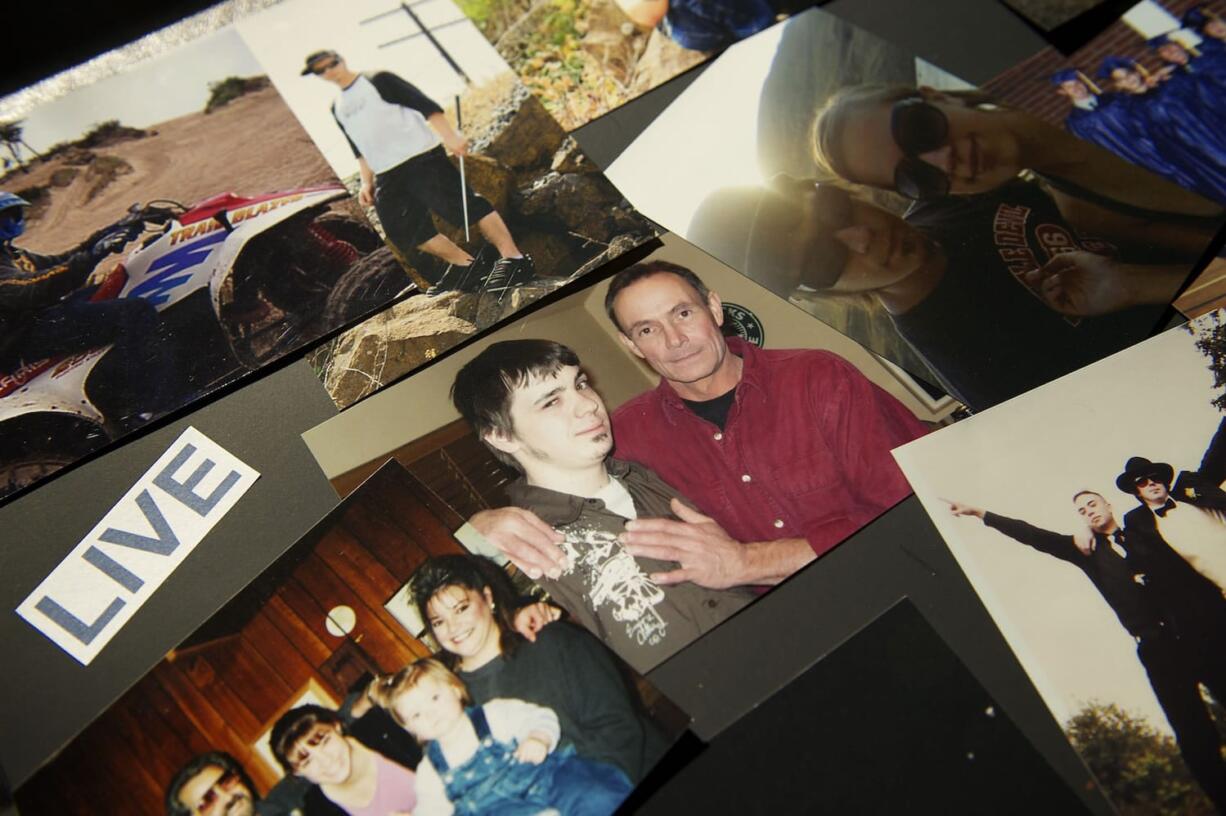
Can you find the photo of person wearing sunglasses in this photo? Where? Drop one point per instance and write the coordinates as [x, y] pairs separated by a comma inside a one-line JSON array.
[[926, 144], [995, 291]]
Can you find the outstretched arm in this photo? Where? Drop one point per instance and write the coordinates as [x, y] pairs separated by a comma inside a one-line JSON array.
[[1057, 545]]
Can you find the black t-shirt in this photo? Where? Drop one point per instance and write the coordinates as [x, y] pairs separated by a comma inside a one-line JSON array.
[[571, 672], [715, 410], [983, 331]]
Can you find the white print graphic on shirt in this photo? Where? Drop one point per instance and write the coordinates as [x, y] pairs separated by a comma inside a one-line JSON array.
[[611, 576], [1009, 231]]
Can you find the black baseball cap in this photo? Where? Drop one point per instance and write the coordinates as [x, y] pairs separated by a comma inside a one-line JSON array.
[[316, 57]]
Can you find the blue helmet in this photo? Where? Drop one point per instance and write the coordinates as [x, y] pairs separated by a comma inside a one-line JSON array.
[[11, 200], [13, 222]]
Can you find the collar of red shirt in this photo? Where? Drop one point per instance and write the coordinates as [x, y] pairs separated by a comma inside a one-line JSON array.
[[754, 376]]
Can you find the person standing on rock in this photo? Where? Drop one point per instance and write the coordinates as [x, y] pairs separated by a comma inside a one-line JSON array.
[[398, 135]]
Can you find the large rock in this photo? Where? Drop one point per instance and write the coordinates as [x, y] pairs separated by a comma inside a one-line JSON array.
[[552, 253], [570, 158], [393, 343], [581, 202], [488, 177], [662, 60], [525, 137]]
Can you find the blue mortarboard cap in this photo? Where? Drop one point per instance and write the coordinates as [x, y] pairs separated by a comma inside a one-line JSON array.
[[1066, 75], [1161, 39], [1113, 63], [1194, 18]]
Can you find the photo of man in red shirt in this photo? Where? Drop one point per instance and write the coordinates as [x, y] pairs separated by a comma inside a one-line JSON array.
[[784, 452]]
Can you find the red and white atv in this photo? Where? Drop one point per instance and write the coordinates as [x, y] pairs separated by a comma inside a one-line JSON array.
[[237, 283]]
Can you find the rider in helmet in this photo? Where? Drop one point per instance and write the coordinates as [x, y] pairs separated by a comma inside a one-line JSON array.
[[44, 312]]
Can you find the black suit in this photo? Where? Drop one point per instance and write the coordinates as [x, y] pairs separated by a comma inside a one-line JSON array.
[[1176, 651], [1193, 649]]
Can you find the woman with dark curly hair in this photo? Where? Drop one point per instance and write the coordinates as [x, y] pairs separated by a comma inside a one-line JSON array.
[[469, 604]]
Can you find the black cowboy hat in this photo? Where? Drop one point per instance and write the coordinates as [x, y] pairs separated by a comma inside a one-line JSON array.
[[1139, 466]]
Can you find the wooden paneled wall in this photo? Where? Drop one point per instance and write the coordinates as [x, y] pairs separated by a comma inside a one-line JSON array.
[[223, 691]]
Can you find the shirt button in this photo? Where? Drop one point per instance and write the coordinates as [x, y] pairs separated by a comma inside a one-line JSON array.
[[778, 522], [712, 603], [746, 478], [718, 436]]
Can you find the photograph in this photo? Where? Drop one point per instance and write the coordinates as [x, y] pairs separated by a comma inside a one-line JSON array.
[[584, 58], [1088, 516], [656, 450], [163, 232], [902, 207], [1051, 14], [312, 692], [485, 197], [1149, 89]]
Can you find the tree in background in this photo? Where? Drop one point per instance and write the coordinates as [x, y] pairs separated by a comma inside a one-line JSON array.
[[1210, 336], [1138, 767], [11, 135]]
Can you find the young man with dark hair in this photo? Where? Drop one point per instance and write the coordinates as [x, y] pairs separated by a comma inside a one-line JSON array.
[[784, 452], [531, 403], [398, 134]]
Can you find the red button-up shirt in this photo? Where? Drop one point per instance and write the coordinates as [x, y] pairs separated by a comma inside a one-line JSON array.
[[805, 451]]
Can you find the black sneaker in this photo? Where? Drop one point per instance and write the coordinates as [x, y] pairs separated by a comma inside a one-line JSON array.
[[499, 280], [509, 273]]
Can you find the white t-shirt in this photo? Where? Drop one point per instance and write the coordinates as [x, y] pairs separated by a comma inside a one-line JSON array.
[[384, 119]]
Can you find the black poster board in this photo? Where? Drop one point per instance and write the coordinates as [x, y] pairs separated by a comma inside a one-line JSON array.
[[48, 697]]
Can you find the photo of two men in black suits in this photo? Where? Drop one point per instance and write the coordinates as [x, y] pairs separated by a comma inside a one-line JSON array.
[[1149, 631]]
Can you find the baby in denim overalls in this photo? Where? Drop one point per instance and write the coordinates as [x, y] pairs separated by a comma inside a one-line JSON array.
[[498, 757]]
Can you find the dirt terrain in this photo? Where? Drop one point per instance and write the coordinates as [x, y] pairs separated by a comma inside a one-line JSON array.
[[250, 146]]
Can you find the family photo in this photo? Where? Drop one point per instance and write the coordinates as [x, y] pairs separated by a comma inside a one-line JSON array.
[[375, 668], [909, 211], [479, 190], [1097, 549], [657, 450], [163, 232]]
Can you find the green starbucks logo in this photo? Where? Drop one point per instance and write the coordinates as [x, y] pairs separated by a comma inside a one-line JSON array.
[[742, 323]]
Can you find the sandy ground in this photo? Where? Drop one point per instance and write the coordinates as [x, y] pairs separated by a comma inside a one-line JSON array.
[[251, 146]]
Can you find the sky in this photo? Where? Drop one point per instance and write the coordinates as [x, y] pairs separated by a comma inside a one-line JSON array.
[[151, 92], [1025, 459], [283, 35]]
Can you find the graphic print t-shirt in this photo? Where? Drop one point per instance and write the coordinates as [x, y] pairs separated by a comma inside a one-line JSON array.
[[982, 329]]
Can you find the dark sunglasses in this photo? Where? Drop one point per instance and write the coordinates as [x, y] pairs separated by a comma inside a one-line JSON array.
[[324, 66], [917, 128], [792, 238], [1142, 481], [213, 795]]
